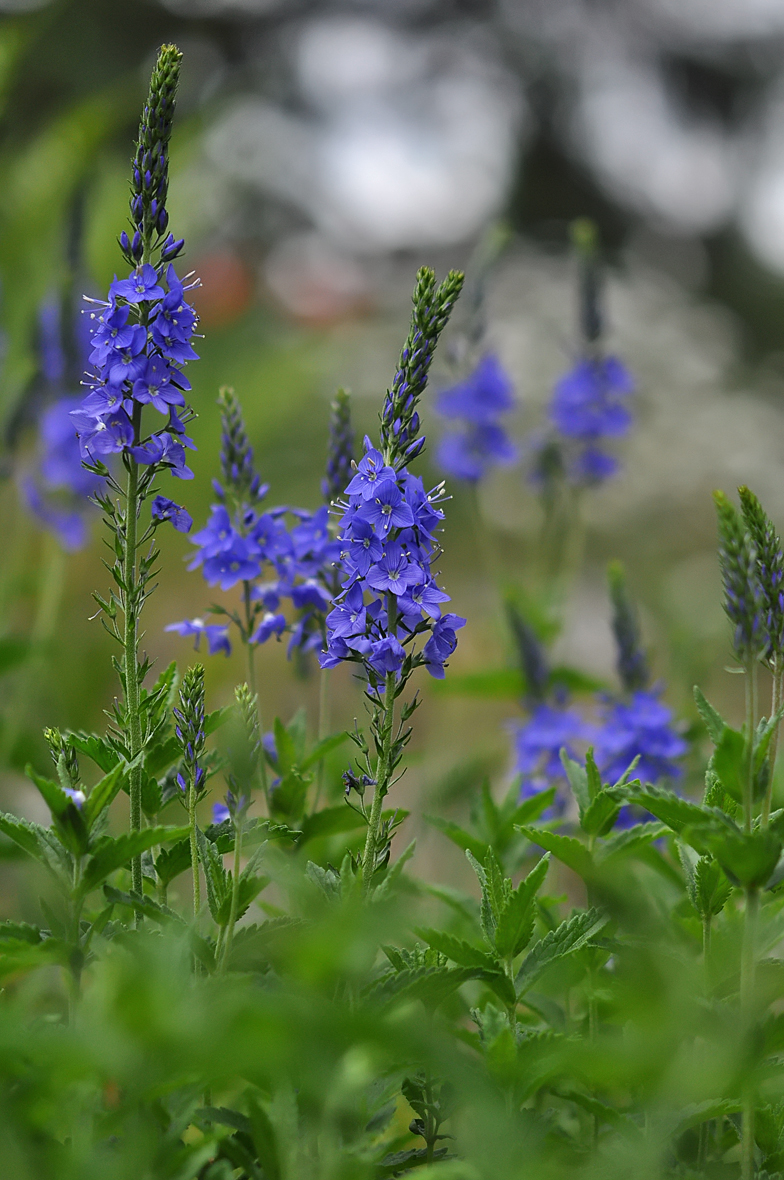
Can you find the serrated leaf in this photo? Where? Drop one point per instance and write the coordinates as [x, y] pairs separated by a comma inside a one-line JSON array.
[[714, 722], [630, 840], [142, 905], [112, 853], [532, 808], [104, 792], [21, 932], [516, 921], [264, 1140], [569, 937], [102, 753], [578, 781], [569, 851], [673, 810], [730, 762], [460, 952], [600, 816], [215, 876], [747, 858]]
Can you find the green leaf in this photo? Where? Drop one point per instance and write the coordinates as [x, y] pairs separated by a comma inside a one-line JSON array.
[[19, 932], [217, 718], [707, 886], [600, 816], [460, 952], [459, 836], [730, 762], [516, 921], [671, 809], [104, 792], [532, 808], [330, 821], [569, 851], [714, 722], [324, 747], [592, 775], [578, 781], [630, 841], [112, 853], [569, 937], [215, 876], [748, 858], [264, 1140], [26, 834], [285, 747], [142, 905], [102, 753], [52, 793]]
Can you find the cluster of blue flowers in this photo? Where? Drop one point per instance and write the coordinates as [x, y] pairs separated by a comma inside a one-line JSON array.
[[389, 594], [243, 543], [140, 340], [476, 404], [589, 406]]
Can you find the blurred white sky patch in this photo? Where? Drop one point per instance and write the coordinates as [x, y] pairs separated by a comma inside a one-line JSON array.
[[646, 151], [725, 19], [411, 140]]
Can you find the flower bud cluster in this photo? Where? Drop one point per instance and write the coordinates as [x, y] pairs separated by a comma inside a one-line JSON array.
[[400, 418], [743, 596], [189, 727], [340, 451], [150, 177], [770, 568], [632, 662]]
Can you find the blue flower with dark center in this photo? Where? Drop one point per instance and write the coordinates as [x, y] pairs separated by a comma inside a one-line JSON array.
[[165, 509]]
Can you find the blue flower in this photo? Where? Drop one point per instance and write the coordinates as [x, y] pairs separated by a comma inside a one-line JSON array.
[[538, 744], [482, 396], [371, 473], [441, 644], [271, 624], [481, 442], [588, 401], [642, 727], [220, 813], [165, 509], [141, 285], [470, 453], [216, 634]]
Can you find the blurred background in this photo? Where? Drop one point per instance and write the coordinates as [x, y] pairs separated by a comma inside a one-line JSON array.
[[321, 153]]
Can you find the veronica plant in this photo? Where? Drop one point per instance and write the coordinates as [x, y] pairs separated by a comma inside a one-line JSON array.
[[390, 599], [141, 338]]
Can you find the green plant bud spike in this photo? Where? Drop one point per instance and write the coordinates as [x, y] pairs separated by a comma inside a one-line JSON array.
[[770, 565], [632, 662]]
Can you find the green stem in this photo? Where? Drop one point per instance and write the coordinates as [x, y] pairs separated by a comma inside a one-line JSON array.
[[323, 729], [251, 650], [130, 662], [382, 784], [747, 962], [235, 894], [775, 705], [702, 1147], [747, 974], [194, 848], [706, 937]]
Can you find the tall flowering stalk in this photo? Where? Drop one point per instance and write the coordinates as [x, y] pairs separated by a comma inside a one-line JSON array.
[[189, 727], [141, 339], [744, 607], [389, 598], [770, 575]]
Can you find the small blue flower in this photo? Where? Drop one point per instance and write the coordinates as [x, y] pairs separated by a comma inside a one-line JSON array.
[[141, 285], [220, 813], [477, 403], [165, 509], [642, 727], [588, 401], [538, 745], [216, 634]]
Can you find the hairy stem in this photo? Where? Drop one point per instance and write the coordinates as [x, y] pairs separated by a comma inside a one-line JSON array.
[[130, 661], [706, 937], [382, 783], [747, 962], [235, 894], [194, 848], [775, 705], [251, 654], [323, 730]]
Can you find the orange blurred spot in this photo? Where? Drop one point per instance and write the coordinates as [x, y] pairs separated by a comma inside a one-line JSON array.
[[111, 1095], [226, 288]]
